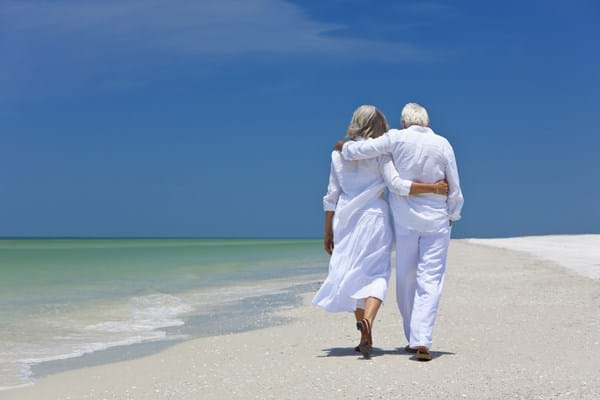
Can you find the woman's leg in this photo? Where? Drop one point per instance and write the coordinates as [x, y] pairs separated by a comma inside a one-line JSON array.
[[359, 314], [365, 326], [371, 307]]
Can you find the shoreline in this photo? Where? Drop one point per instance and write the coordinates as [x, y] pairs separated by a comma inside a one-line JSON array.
[[66, 299], [491, 294], [287, 297], [280, 295]]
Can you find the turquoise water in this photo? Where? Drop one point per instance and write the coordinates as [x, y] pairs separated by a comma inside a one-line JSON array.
[[63, 298]]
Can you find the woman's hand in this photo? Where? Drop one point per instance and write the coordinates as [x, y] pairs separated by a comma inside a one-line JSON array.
[[328, 243], [328, 240], [441, 187]]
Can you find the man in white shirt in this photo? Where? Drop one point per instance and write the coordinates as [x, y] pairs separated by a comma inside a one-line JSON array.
[[422, 223]]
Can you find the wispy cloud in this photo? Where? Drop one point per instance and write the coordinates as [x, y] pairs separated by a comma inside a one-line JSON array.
[[201, 26], [71, 38]]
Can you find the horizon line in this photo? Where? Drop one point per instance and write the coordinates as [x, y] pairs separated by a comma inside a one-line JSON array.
[[159, 237]]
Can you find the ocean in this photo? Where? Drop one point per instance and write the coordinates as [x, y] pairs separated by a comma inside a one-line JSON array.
[[67, 298]]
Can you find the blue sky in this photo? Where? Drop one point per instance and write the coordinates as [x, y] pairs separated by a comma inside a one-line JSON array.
[[216, 118]]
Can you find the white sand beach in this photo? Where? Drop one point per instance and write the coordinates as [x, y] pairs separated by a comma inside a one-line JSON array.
[[580, 253], [511, 325]]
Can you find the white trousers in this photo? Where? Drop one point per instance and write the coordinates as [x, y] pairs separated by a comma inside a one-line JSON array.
[[420, 269]]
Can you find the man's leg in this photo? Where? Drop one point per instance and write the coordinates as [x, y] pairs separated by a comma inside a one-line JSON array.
[[433, 249], [407, 257]]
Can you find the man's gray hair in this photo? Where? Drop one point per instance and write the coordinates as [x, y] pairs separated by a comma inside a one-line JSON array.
[[368, 122], [414, 114]]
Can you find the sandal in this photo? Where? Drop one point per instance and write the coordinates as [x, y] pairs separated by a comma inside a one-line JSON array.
[[366, 340], [357, 348], [423, 355]]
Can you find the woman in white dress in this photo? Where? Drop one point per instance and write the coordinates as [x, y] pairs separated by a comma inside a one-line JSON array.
[[358, 228]]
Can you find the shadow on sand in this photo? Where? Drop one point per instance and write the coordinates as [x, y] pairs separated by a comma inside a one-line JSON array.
[[377, 352]]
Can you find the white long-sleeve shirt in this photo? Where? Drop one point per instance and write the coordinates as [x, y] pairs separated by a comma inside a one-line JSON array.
[[419, 154], [348, 179]]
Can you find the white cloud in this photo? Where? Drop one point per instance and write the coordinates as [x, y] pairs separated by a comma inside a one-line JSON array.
[[215, 27], [51, 48]]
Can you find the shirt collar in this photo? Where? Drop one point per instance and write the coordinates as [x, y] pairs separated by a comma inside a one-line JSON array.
[[419, 128]]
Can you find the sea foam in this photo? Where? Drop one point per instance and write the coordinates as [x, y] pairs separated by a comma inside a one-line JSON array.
[[141, 322]]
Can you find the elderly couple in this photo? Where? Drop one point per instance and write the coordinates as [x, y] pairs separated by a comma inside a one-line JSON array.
[[418, 167]]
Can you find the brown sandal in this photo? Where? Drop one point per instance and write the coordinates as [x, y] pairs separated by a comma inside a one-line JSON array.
[[366, 340], [423, 355], [357, 348]]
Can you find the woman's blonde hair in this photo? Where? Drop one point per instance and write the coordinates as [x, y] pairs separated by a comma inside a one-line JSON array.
[[367, 122]]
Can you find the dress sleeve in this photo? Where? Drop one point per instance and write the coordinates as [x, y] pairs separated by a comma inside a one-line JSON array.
[[455, 197], [333, 190], [391, 177], [364, 149]]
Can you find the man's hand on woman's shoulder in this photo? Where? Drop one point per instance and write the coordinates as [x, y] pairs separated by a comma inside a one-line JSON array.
[[339, 145]]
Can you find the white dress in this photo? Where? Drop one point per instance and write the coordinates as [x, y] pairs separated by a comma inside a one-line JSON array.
[[362, 232]]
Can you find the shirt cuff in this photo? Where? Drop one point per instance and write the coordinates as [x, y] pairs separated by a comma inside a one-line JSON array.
[[329, 206], [345, 150], [405, 186], [455, 217]]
